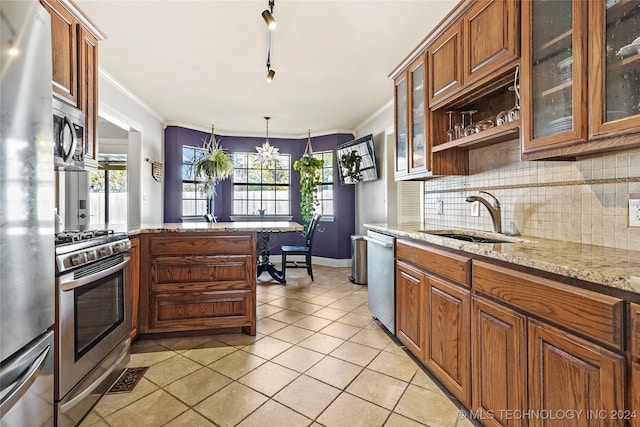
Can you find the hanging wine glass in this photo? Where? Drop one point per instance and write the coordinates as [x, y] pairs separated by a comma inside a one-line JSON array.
[[459, 127], [451, 134], [514, 113], [471, 128]]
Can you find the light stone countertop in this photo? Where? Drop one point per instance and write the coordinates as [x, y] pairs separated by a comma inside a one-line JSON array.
[[614, 268], [216, 227]]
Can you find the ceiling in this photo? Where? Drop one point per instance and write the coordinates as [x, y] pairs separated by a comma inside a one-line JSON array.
[[198, 63]]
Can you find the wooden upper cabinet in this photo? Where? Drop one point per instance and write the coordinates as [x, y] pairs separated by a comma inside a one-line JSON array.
[[553, 83], [402, 125], [65, 52], [418, 148], [445, 64], [88, 62], [581, 77], [614, 68], [491, 30]]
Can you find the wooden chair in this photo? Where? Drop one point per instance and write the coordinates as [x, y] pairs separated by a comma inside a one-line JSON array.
[[301, 250]]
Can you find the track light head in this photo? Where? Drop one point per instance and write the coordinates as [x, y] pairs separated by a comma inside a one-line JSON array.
[[269, 19], [270, 75]]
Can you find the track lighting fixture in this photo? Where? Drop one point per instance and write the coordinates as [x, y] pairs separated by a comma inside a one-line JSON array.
[[270, 75], [269, 19], [271, 23]]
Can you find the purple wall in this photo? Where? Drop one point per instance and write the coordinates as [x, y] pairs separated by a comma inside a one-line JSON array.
[[332, 240]]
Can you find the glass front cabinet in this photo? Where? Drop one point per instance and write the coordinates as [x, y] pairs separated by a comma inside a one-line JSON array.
[[581, 92], [412, 150], [402, 128]]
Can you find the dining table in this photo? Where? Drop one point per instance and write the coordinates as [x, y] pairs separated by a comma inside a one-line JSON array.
[[265, 230]]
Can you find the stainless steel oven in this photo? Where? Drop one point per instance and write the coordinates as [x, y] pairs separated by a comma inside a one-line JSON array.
[[93, 321]]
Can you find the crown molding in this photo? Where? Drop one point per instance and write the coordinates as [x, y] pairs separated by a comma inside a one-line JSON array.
[[108, 77], [223, 132], [375, 115]]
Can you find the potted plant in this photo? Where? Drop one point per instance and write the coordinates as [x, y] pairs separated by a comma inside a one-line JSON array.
[[216, 165], [350, 164], [310, 178]]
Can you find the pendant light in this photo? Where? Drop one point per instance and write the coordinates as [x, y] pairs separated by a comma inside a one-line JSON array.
[[267, 152]]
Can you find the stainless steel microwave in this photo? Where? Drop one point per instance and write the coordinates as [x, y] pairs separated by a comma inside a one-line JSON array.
[[68, 137]]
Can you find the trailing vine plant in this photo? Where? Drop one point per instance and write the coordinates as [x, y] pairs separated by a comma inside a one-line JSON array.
[[310, 178]]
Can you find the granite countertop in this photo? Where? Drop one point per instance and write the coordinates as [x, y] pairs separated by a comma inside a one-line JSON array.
[[615, 268], [216, 227]]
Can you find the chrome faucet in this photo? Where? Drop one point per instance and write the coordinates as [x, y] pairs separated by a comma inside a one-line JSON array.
[[493, 208]]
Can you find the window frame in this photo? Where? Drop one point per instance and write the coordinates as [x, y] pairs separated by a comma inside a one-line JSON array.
[[331, 184], [261, 169], [197, 153]]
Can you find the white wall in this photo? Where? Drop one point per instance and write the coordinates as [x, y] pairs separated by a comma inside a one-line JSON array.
[[146, 141], [385, 200]]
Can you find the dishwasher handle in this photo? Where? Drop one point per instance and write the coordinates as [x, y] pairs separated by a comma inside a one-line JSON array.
[[378, 242]]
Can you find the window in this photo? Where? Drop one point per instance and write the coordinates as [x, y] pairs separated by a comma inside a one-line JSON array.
[[108, 190], [261, 186], [325, 190], [195, 201]]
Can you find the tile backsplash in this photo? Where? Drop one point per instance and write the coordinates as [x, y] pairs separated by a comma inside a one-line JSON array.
[[585, 201]]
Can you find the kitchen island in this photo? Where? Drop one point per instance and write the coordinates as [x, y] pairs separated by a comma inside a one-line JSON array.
[[199, 277]]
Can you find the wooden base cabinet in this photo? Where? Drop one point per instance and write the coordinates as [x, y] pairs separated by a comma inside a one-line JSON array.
[[568, 373], [134, 253], [448, 336], [499, 360], [200, 281], [433, 312], [410, 286]]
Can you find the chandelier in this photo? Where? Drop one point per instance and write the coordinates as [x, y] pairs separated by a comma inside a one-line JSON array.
[[267, 152]]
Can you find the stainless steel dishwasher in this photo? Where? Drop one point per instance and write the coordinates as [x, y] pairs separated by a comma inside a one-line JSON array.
[[381, 278]]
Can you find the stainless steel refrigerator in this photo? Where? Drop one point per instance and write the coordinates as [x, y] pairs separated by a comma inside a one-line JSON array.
[[27, 200]]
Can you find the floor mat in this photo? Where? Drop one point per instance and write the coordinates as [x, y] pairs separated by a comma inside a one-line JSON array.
[[128, 380]]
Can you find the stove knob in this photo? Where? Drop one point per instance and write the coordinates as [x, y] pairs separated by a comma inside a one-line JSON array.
[[103, 252], [117, 247], [79, 259]]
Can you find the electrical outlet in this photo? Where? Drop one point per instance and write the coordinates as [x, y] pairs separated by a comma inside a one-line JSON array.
[[634, 212], [440, 207], [475, 209]]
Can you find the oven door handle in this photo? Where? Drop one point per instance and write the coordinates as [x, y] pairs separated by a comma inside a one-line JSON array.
[[87, 391], [67, 286]]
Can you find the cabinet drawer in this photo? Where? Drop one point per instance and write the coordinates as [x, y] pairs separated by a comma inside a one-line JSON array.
[[200, 310], [634, 330], [452, 266], [201, 273], [596, 316], [209, 244]]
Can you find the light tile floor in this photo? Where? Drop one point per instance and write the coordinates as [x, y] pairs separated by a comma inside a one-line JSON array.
[[318, 359]]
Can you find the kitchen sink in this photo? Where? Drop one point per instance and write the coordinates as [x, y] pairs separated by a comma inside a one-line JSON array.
[[475, 237]]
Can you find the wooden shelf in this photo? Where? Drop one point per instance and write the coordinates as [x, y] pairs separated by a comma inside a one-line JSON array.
[[554, 45], [619, 9], [557, 89], [490, 136], [624, 62]]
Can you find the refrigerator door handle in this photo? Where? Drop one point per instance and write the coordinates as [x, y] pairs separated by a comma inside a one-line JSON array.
[[378, 242], [33, 367]]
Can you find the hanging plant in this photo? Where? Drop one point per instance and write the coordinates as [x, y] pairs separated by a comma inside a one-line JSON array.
[[350, 164], [310, 178], [215, 166]]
